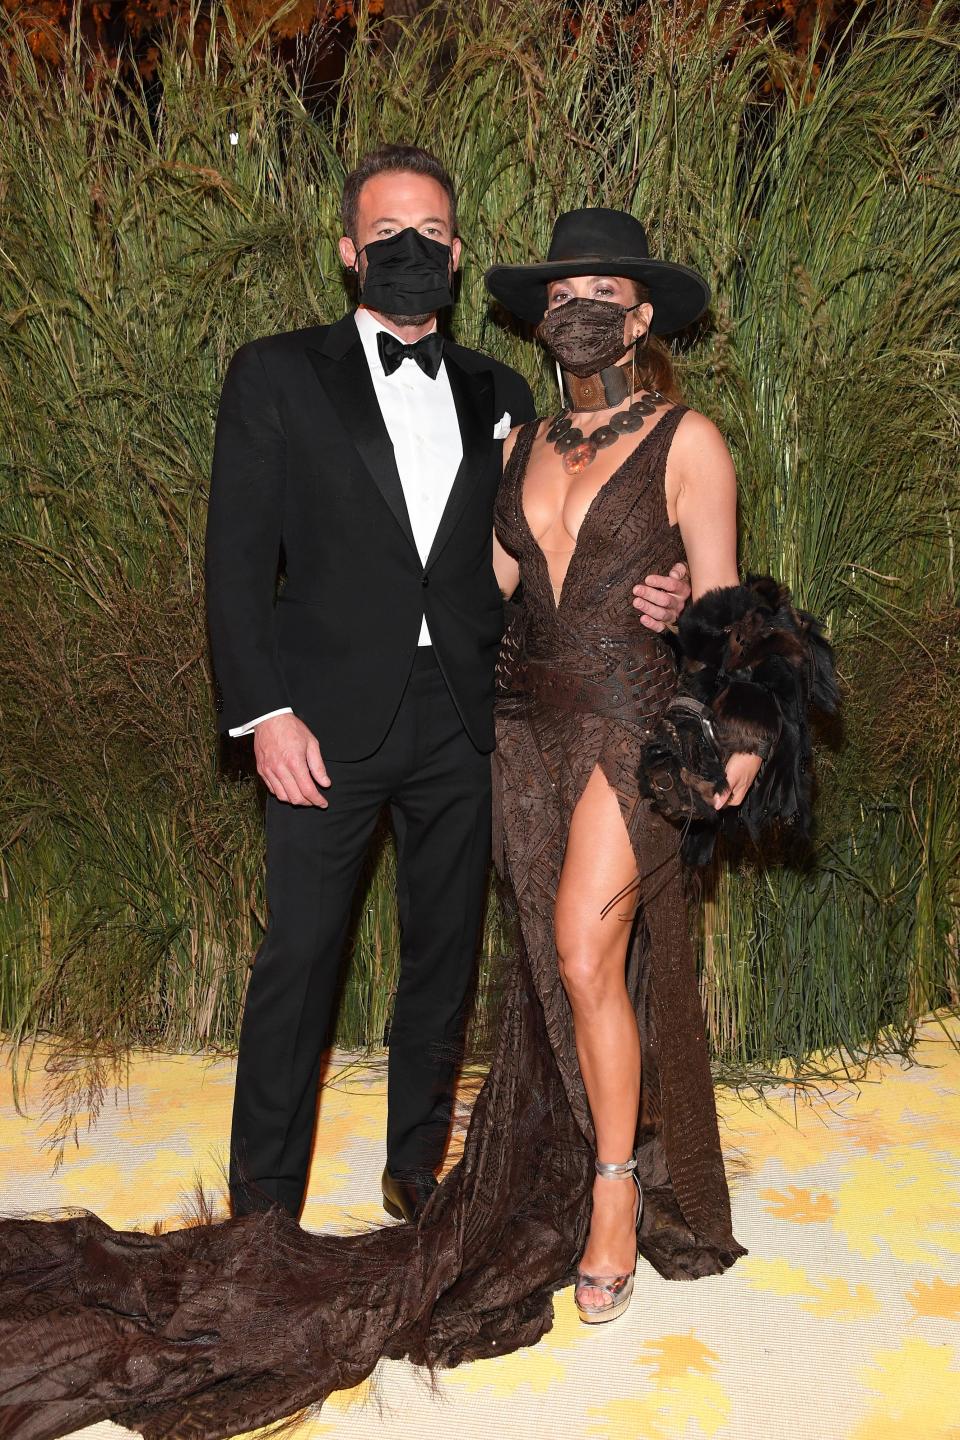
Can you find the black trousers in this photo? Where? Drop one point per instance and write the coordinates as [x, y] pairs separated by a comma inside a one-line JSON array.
[[438, 788]]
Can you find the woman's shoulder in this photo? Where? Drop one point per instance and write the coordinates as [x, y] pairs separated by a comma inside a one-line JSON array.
[[696, 437], [513, 435], [699, 463]]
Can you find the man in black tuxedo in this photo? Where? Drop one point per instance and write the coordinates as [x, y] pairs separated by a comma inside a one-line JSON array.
[[362, 459]]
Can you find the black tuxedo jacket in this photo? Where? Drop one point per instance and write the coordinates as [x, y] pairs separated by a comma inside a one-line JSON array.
[[305, 485]]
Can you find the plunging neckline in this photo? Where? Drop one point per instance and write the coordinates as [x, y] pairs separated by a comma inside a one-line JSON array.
[[587, 514]]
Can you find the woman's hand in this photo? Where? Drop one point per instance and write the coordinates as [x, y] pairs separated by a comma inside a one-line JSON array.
[[741, 771]]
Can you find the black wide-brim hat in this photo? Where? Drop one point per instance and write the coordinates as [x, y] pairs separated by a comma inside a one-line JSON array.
[[602, 242]]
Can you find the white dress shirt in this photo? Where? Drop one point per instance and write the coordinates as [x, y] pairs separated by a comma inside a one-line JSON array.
[[421, 420]]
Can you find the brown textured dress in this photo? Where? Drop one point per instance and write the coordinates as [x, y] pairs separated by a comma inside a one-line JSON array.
[[580, 681], [215, 1329]]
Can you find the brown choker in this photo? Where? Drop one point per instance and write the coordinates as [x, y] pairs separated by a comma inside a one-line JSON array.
[[599, 391]]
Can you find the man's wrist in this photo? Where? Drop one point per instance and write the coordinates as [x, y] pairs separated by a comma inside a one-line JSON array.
[[251, 725]]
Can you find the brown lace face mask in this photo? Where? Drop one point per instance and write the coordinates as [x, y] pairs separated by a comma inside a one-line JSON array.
[[585, 336]]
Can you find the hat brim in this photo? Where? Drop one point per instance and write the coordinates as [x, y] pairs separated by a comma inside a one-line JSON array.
[[679, 295]]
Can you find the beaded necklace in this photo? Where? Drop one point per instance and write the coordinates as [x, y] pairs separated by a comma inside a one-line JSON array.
[[608, 387]]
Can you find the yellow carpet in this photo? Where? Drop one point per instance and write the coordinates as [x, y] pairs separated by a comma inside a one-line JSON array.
[[843, 1323]]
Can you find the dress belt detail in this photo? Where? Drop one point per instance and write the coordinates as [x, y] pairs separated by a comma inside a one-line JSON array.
[[629, 692]]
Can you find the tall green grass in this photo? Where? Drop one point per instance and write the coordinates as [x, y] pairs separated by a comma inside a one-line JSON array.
[[140, 246]]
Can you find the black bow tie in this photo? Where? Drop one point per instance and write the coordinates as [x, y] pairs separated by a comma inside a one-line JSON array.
[[427, 352]]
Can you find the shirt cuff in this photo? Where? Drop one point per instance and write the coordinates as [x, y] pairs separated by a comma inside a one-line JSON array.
[[251, 725]]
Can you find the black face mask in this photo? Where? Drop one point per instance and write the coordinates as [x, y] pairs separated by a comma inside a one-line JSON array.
[[407, 274], [585, 336]]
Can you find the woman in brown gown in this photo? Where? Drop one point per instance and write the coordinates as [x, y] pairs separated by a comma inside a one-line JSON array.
[[220, 1327], [582, 683]]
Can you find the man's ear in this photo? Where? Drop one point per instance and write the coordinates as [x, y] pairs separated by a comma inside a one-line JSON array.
[[456, 249], [348, 251]]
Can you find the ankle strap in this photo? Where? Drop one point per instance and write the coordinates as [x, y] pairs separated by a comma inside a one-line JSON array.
[[610, 1170]]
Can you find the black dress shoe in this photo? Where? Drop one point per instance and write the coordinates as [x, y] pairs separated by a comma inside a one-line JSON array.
[[405, 1198]]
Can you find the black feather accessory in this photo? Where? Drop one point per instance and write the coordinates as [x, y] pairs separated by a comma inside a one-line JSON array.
[[752, 667]]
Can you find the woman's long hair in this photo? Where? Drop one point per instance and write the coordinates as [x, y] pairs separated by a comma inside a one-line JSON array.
[[654, 365]]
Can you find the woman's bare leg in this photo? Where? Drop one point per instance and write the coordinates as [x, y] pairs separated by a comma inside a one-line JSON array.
[[592, 949]]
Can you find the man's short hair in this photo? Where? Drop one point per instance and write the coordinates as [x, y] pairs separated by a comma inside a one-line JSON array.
[[392, 160]]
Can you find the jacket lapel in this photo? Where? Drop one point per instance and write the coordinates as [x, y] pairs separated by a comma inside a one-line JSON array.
[[472, 396], [341, 368]]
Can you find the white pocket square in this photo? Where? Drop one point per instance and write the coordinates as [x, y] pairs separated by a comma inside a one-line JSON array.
[[502, 428]]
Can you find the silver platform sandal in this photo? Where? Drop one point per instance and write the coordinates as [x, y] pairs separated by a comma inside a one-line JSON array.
[[618, 1287]]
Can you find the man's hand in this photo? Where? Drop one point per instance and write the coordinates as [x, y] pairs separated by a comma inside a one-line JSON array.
[[741, 770], [289, 761], [662, 597]]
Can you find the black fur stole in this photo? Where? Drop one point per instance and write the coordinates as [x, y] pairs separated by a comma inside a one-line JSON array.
[[751, 668]]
